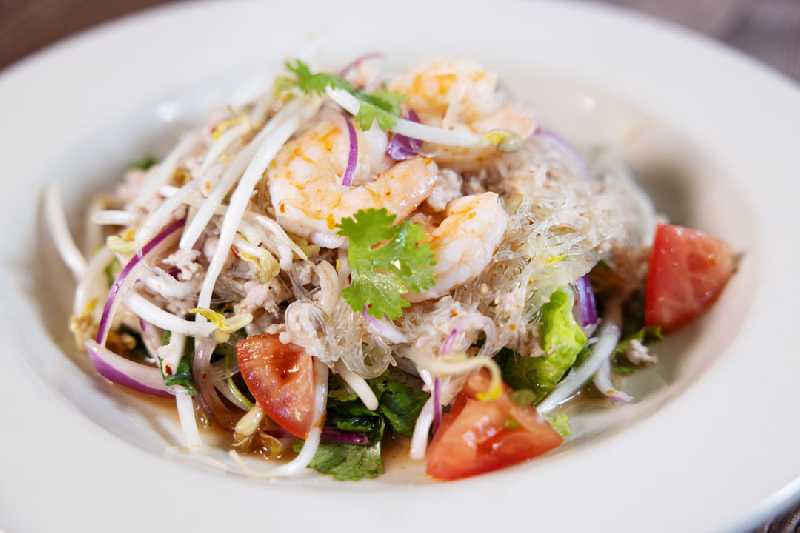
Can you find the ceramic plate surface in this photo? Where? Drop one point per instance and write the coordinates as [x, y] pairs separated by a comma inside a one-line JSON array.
[[711, 443]]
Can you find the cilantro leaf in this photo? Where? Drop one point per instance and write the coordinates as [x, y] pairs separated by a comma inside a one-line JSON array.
[[389, 101], [369, 113], [387, 260], [381, 106], [315, 83]]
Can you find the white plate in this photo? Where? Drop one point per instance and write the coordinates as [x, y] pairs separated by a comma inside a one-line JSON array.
[[713, 442]]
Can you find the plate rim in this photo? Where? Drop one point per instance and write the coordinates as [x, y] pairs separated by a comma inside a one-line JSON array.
[[39, 60]]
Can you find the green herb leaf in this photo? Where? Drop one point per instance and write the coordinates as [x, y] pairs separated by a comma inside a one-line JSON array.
[[338, 391], [282, 85], [315, 83], [347, 462], [400, 399], [145, 163], [111, 271], [350, 462], [562, 340], [562, 337], [381, 106], [347, 413], [646, 335], [561, 424], [368, 113], [387, 261], [182, 376]]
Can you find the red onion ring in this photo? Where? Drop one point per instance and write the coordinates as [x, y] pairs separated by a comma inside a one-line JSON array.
[[142, 378], [116, 288], [401, 147], [352, 156], [568, 150], [585, 309], [447, 345]]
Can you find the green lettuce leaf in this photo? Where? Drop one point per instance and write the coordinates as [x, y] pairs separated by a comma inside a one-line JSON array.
[[562, 340]]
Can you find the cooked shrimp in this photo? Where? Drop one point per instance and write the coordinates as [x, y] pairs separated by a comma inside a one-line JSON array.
[[462, 95], [305, 183], [465, 241], [444, 90]]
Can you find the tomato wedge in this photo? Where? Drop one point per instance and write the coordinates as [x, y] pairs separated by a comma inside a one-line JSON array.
[[688, 270], [281, 379], [481, 436]]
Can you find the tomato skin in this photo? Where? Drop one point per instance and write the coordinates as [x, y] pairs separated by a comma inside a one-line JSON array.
[[281, 379], [475, 437], [687, 272]]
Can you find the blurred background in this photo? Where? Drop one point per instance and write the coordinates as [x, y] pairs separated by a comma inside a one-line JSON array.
[[768, 30]]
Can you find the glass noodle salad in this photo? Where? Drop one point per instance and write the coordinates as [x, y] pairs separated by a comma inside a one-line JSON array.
[[360, 256]]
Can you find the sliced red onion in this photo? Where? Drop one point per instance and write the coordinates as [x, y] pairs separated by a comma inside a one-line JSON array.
[[585, 305], [401, 147], [142, 378], [110, 307], [329, 435], [352, 156], [447, 345], [558, 142], [357, 62]]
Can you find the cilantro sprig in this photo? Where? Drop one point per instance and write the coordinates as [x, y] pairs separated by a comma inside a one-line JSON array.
[[387, 260], [381, 105], [315, 83]]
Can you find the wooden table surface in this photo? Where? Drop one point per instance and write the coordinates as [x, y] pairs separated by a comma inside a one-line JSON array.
[[766, 29]]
